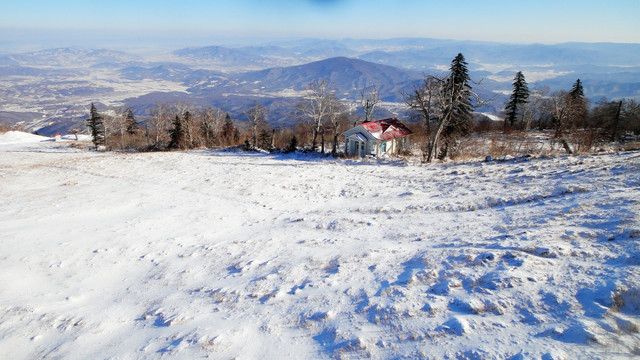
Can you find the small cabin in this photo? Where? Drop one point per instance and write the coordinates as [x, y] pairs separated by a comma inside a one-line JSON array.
[[376, 138]]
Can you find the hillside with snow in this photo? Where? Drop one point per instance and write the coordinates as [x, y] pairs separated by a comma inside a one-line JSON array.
[[245, 255]]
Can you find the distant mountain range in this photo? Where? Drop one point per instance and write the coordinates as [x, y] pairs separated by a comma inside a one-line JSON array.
[[51, 89]]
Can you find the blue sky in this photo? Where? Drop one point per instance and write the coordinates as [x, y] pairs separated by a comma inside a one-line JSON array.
[[543, 21]]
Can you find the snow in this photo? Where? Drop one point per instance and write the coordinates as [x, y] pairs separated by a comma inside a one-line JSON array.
[[222, 254], [19, 137]]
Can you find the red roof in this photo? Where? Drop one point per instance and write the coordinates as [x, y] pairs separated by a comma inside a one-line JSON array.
[[386, 129]]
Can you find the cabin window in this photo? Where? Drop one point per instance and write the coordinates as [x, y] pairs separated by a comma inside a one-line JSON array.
[[384, 147]]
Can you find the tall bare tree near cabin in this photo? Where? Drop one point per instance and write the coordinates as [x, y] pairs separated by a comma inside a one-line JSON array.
[[337, 116], [315, 107], [423, 100], [369, 99]]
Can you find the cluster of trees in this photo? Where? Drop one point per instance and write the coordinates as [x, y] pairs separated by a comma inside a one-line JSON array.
[[175, 126], [180, 126], [120, 126], [444, 106], [575, 124], [184, 128]]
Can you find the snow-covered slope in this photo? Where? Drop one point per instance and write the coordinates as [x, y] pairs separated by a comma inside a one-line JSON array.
[[195, 254], [21, 138]]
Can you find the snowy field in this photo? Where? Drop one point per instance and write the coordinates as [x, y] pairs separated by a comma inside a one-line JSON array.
[[231, 255]]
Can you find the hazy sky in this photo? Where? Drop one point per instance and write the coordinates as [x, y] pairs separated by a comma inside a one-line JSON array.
[[543, 21]]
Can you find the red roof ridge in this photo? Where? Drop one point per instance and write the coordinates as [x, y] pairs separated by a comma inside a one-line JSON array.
[[386, 129]]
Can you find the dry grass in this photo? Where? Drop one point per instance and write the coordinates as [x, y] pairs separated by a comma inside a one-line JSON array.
[[627, 300]]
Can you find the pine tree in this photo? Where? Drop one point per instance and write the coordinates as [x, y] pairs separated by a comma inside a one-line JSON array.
[[293, 145], [176, 134], [459, 107], [130, 122], [228, 129], [577, 91], [96, 126], [454, 102], [519, 96], [460, 91], [577, 105], [187, 130], [264, 140]]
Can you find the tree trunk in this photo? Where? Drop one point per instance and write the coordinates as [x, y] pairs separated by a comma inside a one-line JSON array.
[[434, 141], [254, 138], [616, 121], [566, 145]]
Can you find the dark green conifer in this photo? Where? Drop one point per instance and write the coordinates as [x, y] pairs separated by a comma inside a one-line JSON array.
[[519, 96], [130, 122], [176, 134], [96, 126]]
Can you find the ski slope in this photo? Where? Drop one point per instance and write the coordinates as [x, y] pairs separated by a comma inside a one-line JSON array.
[[245, 255]]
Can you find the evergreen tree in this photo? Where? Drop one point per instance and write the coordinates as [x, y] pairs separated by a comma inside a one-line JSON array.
[[187, 130], [454, 103], [96, 125], [293, 145], [519, 96], [577, 91], [130, 122], [228, 129], [264, 140], [236, 135], [458, 108], [176, 134], [460, 91], [577, 105]]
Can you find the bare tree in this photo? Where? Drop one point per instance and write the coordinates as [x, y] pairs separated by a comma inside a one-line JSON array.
[[159, 121], [110, 126], [75, 132], [533, 107], [118, 123], [369, 99], [211, 121], [315, 107], [338, 116], [454, 103], [256, 115], [423, 100], [558, 105], [181, 109]]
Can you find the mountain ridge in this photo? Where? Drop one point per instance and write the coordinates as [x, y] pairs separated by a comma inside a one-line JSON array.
[[60, 82]]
